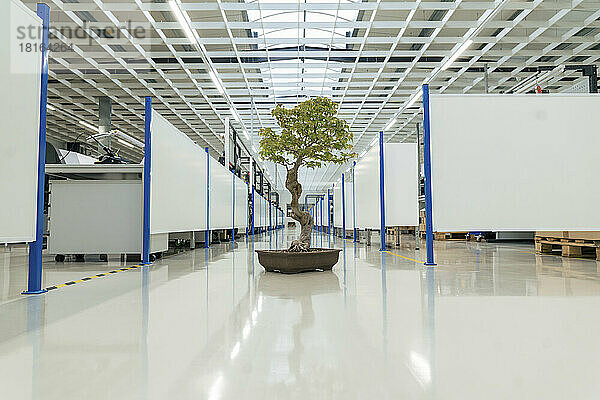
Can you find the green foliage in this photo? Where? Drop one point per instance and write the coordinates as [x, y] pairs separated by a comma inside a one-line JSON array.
[[310, 135]]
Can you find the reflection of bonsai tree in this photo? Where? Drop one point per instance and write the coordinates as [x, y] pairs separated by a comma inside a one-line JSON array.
[[310, 135]]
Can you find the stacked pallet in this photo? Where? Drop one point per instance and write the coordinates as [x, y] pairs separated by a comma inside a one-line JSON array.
[[439, 235], [570, 243], [393, 234]]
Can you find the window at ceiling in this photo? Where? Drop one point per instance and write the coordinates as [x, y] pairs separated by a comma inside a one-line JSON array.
[[329, 16], [295, 77]]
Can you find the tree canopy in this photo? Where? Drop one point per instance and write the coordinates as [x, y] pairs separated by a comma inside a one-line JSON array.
[[311, 134]]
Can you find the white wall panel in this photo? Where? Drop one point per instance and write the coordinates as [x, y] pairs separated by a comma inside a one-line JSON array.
[[19, 126], [265, 212], [258, 210], [317, 213], [337, 199], [322, 220], [511, 163], [241, 203], [401, 187], [349, 215], [178, 182], [337, 204], [221, 196]]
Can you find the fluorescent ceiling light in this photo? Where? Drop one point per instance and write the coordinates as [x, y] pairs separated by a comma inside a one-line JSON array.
[[392, 122], [235, 115], [246, 134], [460, 50], [373, 141], [89, 126], [127, 138], [125, 143], [216, 81], [50, 107], [254, 149], [414, 99], [182, 21]]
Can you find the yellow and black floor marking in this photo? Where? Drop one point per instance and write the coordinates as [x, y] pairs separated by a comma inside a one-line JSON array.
[[93, 277]]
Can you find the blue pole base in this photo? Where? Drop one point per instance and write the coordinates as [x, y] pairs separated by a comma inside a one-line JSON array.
[[27, 292], [430, 264]]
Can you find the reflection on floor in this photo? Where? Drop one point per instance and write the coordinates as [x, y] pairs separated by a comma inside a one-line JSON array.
[[491, 321]]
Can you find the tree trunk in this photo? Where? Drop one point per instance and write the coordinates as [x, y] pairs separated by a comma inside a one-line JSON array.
[[303, 217]]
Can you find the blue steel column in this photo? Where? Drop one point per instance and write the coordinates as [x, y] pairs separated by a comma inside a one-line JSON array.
[[343, 208], [233, 207], [147, 178], [322, 229], [328, 212], [382, 191], [34, 282], [207, 232], [253, 213], [427, 162], [354, 203], [333, 219]]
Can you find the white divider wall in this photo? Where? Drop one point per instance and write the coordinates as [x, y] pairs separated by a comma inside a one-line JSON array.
[[337, 205], [349, 216], [19, 126], [320, 219], [221, 196], [515, 162], [401, 187], [178, 183], [266, 210], [241, 203], [258, 210]]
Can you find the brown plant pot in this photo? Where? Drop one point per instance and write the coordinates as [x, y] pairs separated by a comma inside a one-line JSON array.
[[288, 262]]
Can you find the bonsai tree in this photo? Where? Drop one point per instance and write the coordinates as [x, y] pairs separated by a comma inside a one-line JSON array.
[[310, 136]]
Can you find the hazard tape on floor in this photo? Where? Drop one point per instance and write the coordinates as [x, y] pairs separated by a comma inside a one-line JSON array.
[[89, 278]]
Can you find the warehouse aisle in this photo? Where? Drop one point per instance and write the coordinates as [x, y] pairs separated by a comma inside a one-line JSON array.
[[492, 321]]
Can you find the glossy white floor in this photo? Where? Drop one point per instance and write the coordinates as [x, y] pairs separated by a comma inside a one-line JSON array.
[[491, 321]]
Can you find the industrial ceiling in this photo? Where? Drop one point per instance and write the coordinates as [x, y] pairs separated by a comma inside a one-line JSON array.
[[204, 61]]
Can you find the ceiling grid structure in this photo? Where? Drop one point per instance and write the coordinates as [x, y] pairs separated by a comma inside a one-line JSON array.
[[370, 56]]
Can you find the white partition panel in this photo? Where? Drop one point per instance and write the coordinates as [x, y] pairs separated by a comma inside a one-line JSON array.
[[349, 216], [515, 162], [265, 212], [337, 200], [337, 205], [320, 213], [178, 183], [241, 203], [267, 206], [401, 187], [221, 196], [19, 126], [257, 210]]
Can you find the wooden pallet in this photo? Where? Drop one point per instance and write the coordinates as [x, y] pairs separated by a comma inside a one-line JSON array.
[[568, 247], [446, 235], [394, 230], [474, 238]]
